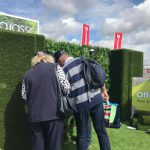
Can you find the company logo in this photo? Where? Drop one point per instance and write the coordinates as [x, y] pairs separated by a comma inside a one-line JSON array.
[[143, 94], [14, 27]]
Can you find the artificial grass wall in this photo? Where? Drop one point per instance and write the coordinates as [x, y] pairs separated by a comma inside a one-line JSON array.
[[99, 54], [16, 51], [124, 64]]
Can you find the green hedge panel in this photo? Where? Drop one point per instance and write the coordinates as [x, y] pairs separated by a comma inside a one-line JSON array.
[[124, 64], [40, 43], [101, 55], [16, 51]]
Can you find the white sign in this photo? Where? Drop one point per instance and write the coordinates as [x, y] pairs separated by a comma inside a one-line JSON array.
[[18, 24]]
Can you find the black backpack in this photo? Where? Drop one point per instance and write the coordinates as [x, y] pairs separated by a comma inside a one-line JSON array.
[[95, 75]]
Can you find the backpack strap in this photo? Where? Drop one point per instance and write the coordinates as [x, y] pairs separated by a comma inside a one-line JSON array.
[[85, 64]]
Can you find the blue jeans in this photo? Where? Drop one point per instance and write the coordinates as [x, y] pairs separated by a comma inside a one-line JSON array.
[[82, 119], [89, 133]]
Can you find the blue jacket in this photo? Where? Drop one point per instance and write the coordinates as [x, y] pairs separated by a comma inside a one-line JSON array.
[[41, 91]]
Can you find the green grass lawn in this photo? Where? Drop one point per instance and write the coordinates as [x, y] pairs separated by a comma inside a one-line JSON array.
[[120, 139]]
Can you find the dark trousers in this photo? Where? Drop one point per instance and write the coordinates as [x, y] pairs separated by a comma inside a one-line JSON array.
[[97, 116], [89, 132], [47, 135]]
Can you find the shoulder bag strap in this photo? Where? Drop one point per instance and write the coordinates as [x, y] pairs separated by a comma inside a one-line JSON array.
[[59, 87]]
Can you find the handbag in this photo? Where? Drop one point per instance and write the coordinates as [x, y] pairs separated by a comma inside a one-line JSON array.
[[62, 105], [111, 114]]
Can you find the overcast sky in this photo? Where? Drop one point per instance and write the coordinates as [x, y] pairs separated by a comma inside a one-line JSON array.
[[62, 20]]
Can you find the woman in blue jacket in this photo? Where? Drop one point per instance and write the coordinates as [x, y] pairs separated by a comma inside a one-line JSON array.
[[40, 90]]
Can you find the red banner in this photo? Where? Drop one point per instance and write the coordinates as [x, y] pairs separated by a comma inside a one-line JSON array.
[[85, 34], [148, 70], [117, 40]]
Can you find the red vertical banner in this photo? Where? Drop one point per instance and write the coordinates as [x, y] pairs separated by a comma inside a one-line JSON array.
[[117, 40], [85, 34], [148, 70]]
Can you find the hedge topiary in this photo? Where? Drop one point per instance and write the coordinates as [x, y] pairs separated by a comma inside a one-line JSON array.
[[16, 51], [124, 64], [101, 55]]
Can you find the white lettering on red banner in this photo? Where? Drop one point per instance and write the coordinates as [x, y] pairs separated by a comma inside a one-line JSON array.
[[85, 34], [117, 40]]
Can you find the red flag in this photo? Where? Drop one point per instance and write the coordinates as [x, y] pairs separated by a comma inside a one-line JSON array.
[[148, 70], [85, 34], [117, 40]]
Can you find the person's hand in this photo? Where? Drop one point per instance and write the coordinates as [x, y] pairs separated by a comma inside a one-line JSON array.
[[104, 93]]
